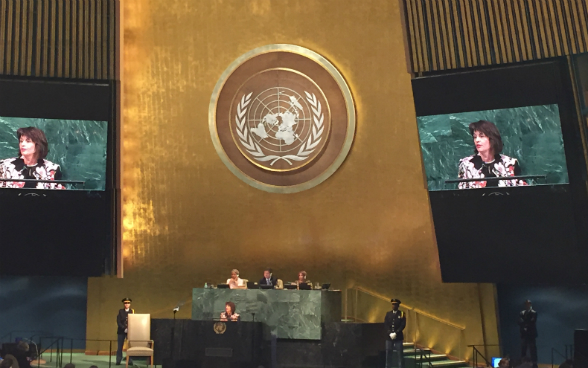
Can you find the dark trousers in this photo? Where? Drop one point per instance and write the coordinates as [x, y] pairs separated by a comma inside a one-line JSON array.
[[119, 350], [394, 354], [529, 343]]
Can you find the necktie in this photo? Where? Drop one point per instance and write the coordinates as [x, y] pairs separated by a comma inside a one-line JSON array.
[[269, 282]]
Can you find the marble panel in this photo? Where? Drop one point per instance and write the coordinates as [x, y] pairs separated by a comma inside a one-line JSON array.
[[290, 314]]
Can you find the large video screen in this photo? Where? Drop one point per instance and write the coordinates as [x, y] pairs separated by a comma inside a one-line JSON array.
[[504, 162], [58, 172], [53, 153], [522, 142]]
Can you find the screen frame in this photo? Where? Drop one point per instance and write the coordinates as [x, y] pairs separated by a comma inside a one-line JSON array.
[[526, 84], [67, 99]]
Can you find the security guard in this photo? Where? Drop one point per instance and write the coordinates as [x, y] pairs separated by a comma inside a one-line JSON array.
[[395, 323], [122, 320], [528, 329]]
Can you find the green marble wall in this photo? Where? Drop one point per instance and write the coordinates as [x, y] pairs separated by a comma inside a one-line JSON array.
[[79, 146], [531, 134], [289, 314]]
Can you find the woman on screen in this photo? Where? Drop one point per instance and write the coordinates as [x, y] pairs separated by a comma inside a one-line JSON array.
[[487, 162], [30, 163]]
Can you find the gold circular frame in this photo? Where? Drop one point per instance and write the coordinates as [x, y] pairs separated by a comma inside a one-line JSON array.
[[349, 104]]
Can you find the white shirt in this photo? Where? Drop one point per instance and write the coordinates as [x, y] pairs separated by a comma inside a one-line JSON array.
[[239, 281]]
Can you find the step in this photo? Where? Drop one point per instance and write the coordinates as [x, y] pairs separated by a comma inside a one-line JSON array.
[[413, 351], [449, 363], [433, 357]]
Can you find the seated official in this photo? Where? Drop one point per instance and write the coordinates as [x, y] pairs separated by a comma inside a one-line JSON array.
[[235, 282], [229, 314], [302, 280], [268, 278]]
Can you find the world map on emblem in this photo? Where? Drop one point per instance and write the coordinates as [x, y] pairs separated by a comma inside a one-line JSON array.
[[281, 127]]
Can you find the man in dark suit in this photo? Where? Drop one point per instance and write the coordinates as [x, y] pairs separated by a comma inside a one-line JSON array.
[[268, 278], [395, 323], [122, 321], [528, 329]]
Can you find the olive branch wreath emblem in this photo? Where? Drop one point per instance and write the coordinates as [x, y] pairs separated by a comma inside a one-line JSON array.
[[253, 148]]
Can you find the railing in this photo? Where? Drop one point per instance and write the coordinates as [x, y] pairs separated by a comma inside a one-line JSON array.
[[56, 346], [11, 333], [352, 311], [476, 353], [568, 355], [425, 356]]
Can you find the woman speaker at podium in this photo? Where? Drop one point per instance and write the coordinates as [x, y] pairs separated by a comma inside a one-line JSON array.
[[30, 162], [229, 314], [487, 162]]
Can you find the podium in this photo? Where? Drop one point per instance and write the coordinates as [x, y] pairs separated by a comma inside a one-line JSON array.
[[289, 314], [206, 344]]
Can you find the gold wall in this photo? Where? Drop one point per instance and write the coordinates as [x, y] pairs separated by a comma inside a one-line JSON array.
[[187, 220]]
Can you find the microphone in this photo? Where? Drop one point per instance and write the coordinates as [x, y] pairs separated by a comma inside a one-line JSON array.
[[177, 308]]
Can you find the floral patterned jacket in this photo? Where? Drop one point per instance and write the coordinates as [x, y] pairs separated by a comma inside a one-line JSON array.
[[14, 168], [233, 318], [472, 166]]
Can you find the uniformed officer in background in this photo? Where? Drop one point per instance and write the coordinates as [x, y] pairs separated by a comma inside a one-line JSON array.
[[395, 323], [122, 321], [528, 329]]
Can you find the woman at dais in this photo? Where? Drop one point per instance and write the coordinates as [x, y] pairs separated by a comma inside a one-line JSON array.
[[229, 314], [30, 163], [488, 162]]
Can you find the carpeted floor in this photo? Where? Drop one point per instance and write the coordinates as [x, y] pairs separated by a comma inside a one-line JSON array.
[[82, 360]]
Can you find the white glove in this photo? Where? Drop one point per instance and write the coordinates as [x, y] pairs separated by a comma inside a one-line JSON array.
[[393, 335], [126, 329]]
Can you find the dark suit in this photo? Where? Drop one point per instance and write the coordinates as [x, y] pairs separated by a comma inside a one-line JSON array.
[[273, 280], [528, 329], [122, 321], [395, 322]]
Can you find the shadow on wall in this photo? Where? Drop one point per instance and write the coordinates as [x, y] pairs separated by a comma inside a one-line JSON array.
[[34, 306], [560, 311]]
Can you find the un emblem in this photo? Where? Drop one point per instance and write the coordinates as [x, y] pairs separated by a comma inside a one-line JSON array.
[[219, 328], [282, 118]]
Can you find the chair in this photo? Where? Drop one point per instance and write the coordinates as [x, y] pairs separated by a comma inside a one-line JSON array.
[[139, 343], [280, 284]]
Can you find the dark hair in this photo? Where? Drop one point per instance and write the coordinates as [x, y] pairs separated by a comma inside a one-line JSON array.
[[22, 346], [38, 137], [6, 363], [268, 270], [232, 305], [490, 131]]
